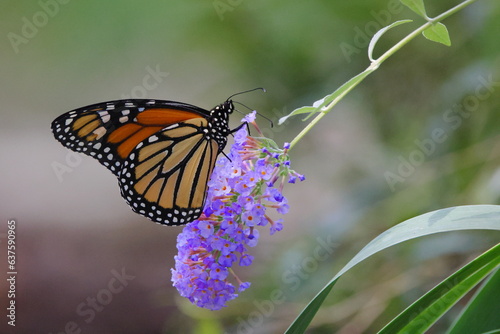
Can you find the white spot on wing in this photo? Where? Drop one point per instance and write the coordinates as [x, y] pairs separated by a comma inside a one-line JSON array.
[[170, 127]]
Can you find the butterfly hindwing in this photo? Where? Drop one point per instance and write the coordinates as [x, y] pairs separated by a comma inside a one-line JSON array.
[[165, 178]]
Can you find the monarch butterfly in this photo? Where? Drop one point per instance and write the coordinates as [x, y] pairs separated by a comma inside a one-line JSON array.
[[163, 152]]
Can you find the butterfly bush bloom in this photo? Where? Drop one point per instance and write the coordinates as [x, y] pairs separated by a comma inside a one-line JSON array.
[[241, 190]]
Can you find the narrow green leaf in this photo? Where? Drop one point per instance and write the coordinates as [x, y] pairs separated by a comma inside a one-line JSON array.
[[423, 313], [417, 6], [298, 111], [482, 313], [319, 105], [470, 217], [300, 325], [438, 33], [379, 34]]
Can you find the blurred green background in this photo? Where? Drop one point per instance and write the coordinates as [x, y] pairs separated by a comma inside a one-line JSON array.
[[75, 233]]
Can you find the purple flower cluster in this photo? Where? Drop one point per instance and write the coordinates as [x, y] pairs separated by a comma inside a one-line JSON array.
[[240, 191]]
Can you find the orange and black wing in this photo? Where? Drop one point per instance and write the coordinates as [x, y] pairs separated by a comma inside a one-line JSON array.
[[110, 131], [165, 177], [163, 152]]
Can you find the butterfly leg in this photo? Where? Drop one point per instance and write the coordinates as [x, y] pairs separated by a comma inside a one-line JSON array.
[[239, 127]]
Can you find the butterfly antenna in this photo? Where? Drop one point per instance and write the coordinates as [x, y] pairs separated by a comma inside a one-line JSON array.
[[258, 113], [246, 91], [241, 104]]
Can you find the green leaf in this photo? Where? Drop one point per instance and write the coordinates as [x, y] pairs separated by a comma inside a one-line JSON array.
[[423, 313], [438, 33], [379, 34], [319, 106], [301, 110], [417, 6], [481, 314], [471, 217], [301, 323]]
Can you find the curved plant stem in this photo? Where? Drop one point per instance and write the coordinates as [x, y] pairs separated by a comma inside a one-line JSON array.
[[377, 62]]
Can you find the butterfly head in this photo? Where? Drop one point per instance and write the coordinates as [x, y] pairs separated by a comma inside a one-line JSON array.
[[220, 115], [226, 107]]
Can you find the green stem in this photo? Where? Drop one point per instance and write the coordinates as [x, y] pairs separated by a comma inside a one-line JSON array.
[[376, 63]]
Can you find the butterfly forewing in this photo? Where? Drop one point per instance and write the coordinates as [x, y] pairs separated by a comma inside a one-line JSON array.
[[109, 131]]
